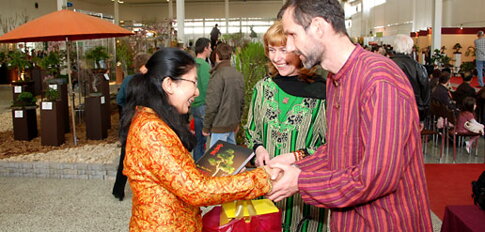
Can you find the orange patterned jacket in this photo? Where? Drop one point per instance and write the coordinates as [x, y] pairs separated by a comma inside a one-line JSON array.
[[167, 187]]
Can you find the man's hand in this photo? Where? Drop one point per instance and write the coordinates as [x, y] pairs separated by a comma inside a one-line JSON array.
[[262, 156], [205, 134], [285, 185], [287, 158]]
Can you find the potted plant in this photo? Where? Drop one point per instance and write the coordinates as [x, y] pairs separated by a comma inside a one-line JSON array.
[[24, 116], [457, 47], [457, 57], [251, 62], [18, 62], [96, 55], [51, 63], [52, 119]]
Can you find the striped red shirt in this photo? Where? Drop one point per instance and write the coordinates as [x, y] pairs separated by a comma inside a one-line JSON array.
[[370, 172]]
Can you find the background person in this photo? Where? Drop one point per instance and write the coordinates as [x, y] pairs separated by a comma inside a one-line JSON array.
[[480, 56], [286, 114], [215, 33], [167, 187], [139, 62], [224, 99], [415, 72], [203, 51]]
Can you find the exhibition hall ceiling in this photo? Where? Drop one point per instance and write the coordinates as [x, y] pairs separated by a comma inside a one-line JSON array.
[[157, 1]]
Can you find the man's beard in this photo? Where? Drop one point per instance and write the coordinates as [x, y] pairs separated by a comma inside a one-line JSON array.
[[310, 60]]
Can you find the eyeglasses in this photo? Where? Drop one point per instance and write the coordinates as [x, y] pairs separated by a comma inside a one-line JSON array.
[[194, 82]]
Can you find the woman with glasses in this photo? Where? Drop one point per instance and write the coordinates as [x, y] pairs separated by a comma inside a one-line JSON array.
[[167, 187]]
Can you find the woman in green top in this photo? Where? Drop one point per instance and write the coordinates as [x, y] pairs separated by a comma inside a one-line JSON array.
[[287, 114]]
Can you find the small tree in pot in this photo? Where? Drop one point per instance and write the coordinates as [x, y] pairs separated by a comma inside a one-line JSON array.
[[24, 116], [52, 119], [96, 55]]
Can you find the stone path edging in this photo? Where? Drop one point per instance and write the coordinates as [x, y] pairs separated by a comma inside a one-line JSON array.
[[58, 170]]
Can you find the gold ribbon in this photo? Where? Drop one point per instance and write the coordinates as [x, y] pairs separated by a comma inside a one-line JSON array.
[[241, 205]]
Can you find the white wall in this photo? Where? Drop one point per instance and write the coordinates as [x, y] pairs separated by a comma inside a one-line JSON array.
[[157, 12], [396, 16], [15, 13]]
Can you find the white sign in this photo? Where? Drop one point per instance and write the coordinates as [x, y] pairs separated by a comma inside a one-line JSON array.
[[102, 100], [47, 105], [19, 114], [53, 87], [17, 89]]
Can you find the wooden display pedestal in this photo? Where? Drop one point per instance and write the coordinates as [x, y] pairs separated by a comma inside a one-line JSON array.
[[24, 123], [51, 124], [95, 113]]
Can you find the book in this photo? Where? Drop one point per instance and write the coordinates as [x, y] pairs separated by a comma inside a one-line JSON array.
[[224, 159]]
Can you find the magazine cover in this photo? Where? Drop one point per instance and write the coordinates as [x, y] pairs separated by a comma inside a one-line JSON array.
[[224, 159]]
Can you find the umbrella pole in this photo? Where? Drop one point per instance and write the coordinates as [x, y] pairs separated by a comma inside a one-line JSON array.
[[74, 137]]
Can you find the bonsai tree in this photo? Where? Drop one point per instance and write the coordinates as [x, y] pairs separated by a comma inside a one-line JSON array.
[[223, 162], [457, 48], [97, 54], [24, 99], [51, 95], [439, 58], [467, 66], [51, 63], [18, 59], [470, 51]]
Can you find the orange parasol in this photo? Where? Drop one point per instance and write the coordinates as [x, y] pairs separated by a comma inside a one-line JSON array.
[[64, 25]]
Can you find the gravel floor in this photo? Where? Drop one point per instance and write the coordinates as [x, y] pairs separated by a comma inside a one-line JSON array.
[[100, 153]]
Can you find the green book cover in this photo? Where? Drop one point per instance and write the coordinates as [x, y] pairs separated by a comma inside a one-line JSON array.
[[224, 159]]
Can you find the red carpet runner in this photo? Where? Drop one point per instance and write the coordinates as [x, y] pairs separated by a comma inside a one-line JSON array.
[[450, 184]]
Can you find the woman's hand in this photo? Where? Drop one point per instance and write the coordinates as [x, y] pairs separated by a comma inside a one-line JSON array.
[[262, 156]]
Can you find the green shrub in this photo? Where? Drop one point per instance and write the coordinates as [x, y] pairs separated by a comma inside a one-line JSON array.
[[251, 62], [24, 99], [51, 95]]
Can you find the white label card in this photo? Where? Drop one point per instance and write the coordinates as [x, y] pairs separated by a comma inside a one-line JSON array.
[[17, 89], [19, 114], [53, 87], [102, 100], [47, 105]]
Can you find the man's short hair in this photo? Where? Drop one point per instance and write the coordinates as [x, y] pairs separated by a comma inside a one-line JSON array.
[[224, 51], [480, 33], [305, 10], [201, 44], [467, 76], [403, 44], [140, 59], [444, 78]]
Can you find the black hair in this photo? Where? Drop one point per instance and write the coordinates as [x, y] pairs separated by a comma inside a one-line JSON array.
[[467, 76], [445, 77], [468, 104], [146, 90], [201, 44], [305, 10]]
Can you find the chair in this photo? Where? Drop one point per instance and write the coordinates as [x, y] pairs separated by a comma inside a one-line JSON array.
[[459, 138], [438, 110], [430, 129]]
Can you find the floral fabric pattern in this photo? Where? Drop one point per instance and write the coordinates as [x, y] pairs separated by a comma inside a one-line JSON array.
[[167, 187]]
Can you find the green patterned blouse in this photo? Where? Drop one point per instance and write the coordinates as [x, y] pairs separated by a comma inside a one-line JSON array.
[[284, 123]]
